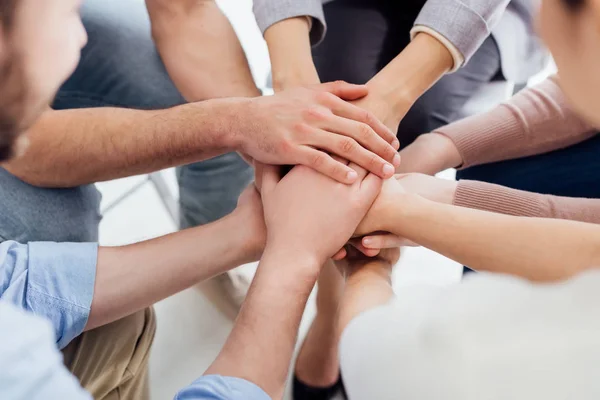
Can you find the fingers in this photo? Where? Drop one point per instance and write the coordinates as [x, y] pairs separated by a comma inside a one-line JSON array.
[[357, 244], [365, 135], [340, 255], [270, 178], [349, 149], [349, 111], [325, 164], [383, 241], [345, 90]]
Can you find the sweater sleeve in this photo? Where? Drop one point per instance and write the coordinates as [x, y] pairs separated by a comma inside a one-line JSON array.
[[500, 199], [536, 120], [270, 12]]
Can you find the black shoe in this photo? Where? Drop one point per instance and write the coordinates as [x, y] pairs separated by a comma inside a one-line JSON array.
[[302, 391]]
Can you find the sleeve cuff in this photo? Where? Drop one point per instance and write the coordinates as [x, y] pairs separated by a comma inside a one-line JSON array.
[[457, 56], [61, 285], [219, 387], [267, 15], [499, 199]]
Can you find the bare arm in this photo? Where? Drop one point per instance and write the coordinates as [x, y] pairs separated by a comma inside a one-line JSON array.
[[130, 278], [189, 34], [74, 147], [367, 286], [535, 248], [261, 344]]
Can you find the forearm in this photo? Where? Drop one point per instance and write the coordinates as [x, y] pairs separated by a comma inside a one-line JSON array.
[[422, 63], [74, 147], [367, 287], [537, 120], [495, 198], [290, 53], [130, 278], [534, 248], [260, 347], [188, 36]]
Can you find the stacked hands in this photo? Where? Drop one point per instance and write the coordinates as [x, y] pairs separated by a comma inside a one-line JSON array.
[[334, 203]]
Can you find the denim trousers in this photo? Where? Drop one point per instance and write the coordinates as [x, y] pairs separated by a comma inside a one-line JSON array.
[[119, 67]]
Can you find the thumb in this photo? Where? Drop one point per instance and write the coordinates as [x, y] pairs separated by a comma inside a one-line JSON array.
[[345, 90], [370, 188]]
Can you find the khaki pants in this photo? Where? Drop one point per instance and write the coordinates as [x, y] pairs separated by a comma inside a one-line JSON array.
[[111, 362]]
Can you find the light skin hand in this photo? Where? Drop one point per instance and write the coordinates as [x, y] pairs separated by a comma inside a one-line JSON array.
[[304, 202], [297, 208], [305, 125], [429, 187]]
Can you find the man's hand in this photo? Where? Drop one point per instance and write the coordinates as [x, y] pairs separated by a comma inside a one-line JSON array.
[[200, 49], [309, 215], [305, 125], [249, 210], [429, 154]]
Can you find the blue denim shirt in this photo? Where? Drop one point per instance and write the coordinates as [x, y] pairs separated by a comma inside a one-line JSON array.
[[55, 281]]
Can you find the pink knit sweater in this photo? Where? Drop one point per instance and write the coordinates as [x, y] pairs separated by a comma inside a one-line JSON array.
[[535, 121]]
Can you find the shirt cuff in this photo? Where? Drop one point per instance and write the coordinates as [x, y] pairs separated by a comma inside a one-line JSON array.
[[457, 56], [217, 387], [61, 285]]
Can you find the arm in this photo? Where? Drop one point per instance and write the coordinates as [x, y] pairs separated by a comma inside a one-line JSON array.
[[74, 147], [298, 206], [368, 285], [534, 248], [536, 120], [63, 281], [188, 35], [130, 278]]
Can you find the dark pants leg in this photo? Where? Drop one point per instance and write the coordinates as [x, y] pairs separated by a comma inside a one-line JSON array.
[[365, 35], [571, 172]]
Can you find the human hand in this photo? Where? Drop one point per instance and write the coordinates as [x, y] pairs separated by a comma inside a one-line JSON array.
[[355, 260], [381, 109], [429, 187], [303, 125], [249, 212], [429, 154], [188, 34], [308, 214]]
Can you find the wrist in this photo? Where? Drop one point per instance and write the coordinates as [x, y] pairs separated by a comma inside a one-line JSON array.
[[297, 262], [422, 63], [231, 118]]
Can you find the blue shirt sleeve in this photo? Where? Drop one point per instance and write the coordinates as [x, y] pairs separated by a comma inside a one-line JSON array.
[[217, 387], [51, 280], [31, 367]]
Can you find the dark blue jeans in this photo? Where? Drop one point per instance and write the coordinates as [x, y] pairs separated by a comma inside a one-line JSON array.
[[571, 172]]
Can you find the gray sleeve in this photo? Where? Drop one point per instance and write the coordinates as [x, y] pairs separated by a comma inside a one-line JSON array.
[[269, 12], [465, 23]]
